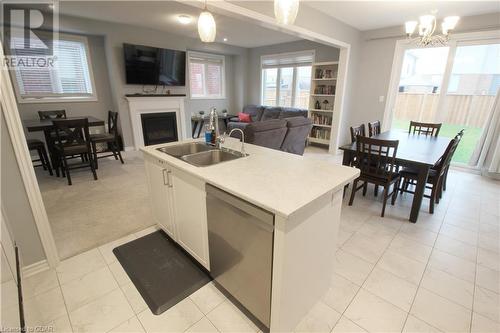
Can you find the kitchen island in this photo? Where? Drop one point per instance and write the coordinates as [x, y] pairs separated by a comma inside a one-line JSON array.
[[302, 195]]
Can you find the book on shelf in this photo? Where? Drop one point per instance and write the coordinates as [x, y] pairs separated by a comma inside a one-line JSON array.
[[320, 133], [324, 90], [322, 73], [320, 119]]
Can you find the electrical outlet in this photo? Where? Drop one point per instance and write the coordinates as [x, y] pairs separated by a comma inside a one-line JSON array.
[[381, 99]]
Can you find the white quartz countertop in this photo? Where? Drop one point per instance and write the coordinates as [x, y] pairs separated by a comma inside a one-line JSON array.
[[279, 182]]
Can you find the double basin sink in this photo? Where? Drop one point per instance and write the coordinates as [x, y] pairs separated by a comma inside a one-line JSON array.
[[200, 154]]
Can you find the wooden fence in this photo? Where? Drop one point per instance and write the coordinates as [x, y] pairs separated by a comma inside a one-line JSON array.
[[466, 110]]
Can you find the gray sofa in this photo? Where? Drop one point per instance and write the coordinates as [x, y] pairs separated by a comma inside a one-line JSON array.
[[278, 128]]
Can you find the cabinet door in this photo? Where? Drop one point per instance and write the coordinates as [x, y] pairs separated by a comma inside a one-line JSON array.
[[190, 212], [160, 196]]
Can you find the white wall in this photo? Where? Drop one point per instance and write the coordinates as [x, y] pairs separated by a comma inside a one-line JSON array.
[[15, 203], [322, 53], [117, 34]]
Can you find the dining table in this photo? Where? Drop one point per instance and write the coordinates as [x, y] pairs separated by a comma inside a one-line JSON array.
[[47, 126], [420, 152]]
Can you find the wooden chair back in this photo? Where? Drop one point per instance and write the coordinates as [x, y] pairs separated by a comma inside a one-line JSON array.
[[355, 131], [424, 128], [53, 114], [444, 162], [374, 128], [71, 132], [376, 158], [113, 123]]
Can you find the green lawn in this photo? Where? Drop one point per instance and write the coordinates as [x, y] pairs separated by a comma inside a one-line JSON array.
[[467, 145]]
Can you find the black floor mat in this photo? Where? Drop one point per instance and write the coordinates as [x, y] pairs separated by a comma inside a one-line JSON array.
[[162, 272]]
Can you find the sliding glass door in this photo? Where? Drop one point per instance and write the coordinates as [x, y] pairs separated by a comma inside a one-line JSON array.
[[453, 85]]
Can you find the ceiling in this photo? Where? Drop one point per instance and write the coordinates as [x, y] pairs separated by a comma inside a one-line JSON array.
[[368, 15], [162, 15]]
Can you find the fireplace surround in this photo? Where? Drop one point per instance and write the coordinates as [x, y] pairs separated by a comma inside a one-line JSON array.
[[156, 105]]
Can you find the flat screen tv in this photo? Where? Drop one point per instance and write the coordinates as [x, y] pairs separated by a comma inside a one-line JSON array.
[[154, 66]]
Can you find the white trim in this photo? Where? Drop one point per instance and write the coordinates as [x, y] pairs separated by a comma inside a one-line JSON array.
[[35, 268], [63, 98], [204, 55], [339, 104], [16, 132], [270, 22]]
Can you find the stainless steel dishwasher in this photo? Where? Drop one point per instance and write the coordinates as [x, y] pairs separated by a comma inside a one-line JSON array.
[[240, 237]]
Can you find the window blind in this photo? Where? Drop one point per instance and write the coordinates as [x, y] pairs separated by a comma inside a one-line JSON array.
[[69, 76], [206, 73], [288, 59]]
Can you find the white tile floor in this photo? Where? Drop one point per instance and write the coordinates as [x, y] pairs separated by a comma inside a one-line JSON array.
[[438, 275]]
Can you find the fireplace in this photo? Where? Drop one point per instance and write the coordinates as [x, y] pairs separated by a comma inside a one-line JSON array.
[[159, 127]]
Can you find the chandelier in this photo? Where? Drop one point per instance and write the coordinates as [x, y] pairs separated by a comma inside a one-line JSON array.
[[286, 11], [427, 25]]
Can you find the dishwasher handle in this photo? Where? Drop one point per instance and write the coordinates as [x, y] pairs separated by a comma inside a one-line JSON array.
[[263, 216]]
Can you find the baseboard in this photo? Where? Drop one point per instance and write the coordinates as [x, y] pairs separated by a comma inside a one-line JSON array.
[[129, 148], [35, 268]]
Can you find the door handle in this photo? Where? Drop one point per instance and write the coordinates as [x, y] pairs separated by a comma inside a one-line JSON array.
[[165, 179], [169, 182]]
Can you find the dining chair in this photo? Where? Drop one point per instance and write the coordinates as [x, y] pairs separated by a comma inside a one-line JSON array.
[[358, 130], [436, 175], [374, 128], [52, 114], [459, 138], [424, 128], [43, 158], [73, 138], [376, 160], [111, 139]]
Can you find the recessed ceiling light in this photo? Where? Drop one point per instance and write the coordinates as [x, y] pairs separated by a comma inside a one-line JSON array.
[[225, 39], [184, 19]]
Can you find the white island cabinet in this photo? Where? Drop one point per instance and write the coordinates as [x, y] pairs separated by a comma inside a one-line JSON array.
[[303, 197], [178, 204]]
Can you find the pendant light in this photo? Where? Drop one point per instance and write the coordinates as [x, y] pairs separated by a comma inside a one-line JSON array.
[[206, 26], [286, 11]]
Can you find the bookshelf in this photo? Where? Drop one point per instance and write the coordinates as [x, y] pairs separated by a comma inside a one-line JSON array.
[[322, 101]]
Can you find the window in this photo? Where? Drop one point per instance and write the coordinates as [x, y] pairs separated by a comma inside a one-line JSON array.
[[69, 78], [286, 79], [206, 76], [453, 85]]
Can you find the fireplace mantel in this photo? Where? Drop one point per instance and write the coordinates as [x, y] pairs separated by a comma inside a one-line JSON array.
[[141, 104]]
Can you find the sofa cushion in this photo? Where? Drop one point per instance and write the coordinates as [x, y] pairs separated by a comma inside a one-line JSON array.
[[262, 126], [272, 112], [297, 121], [268, 133], [255, 111], [298, 129], [292, 112]]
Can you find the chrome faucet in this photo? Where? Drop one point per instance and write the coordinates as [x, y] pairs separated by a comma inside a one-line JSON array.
[[219, 141]]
